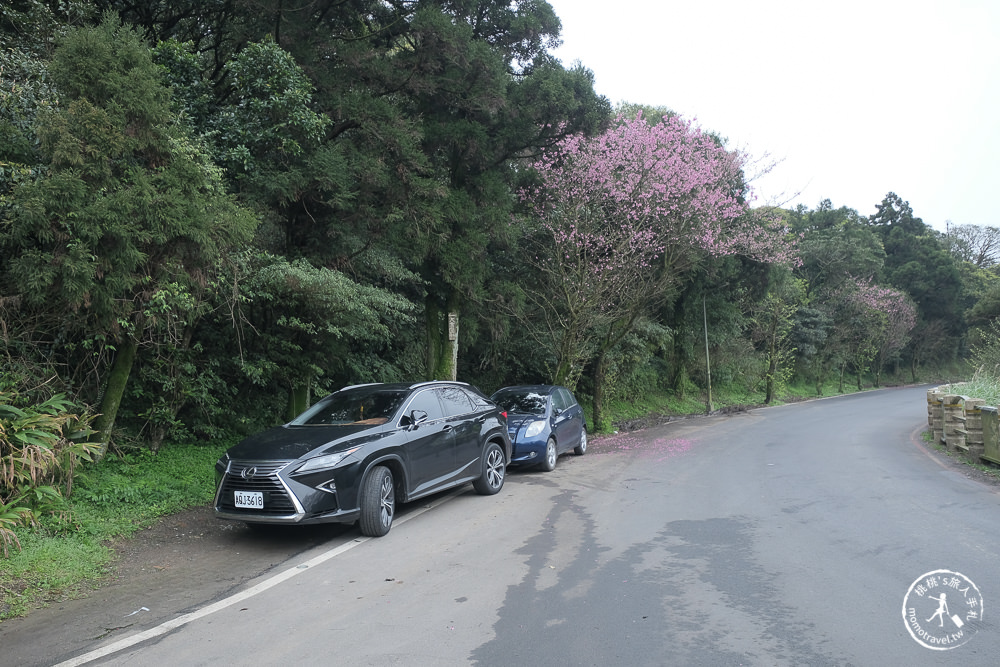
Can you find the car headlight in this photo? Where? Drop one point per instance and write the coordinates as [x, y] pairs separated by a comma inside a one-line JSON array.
[[325, 461], [222, 465], [534, 428]]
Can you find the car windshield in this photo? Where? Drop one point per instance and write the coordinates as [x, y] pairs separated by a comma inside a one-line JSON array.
[[363, 405], [529, 402]]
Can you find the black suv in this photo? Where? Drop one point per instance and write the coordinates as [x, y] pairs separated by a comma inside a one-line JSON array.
[[356, 453]]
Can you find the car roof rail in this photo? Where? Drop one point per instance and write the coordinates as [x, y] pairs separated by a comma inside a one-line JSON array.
[[427, 383], [355, 386]]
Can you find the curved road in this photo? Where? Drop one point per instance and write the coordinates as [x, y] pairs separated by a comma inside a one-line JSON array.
[[782, 536]]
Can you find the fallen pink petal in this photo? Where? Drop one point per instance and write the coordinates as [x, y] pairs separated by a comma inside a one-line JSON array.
[[658, 448]]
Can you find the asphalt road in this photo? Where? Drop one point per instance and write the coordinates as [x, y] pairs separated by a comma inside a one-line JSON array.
[[782, 536]]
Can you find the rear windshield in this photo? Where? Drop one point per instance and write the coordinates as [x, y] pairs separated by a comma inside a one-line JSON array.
[[364, 405], [525, 402]]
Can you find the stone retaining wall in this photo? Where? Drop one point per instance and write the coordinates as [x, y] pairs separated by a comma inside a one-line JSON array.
[[963, 424]]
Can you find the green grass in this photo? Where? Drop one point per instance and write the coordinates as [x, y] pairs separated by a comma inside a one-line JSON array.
[[654, 403], [985, 388], [69, 551], [695, 402], [47, 569]]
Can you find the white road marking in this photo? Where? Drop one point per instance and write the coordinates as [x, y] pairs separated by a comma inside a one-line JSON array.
[[271, 582]]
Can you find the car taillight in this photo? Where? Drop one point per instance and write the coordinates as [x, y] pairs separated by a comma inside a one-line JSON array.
[[504, 413]]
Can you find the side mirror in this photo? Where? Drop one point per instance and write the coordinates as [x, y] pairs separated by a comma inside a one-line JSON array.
[[415, 418]]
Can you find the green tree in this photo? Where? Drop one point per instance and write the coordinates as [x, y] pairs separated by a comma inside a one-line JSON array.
[[981, 303], [836, 247], [811, 339], [773, 319], [310, 319], [717, 296], [919, 263], [835, 244], [982, 294], [308, 116], [479, 77], [128, 202], [429, 104], [32, 27]]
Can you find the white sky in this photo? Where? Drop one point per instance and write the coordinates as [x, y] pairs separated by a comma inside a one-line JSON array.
[[856, 98]]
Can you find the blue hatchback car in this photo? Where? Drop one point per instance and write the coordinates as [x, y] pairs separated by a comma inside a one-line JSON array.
[[543, 421]]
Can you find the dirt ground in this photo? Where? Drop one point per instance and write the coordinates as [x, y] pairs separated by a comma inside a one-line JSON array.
[[195, 551], [175, 566]]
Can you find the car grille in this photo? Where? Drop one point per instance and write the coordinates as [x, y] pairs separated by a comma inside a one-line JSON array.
[[264, 479]]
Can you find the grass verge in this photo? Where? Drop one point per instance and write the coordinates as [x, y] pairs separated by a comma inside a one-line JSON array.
[[68, 553], [985, 469], [646, 409], [981, 387]]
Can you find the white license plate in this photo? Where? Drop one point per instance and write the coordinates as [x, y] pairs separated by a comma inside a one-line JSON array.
[[250, 499]]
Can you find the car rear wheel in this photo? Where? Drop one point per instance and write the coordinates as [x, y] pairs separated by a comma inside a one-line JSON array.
[[378, 503], [548, 463], [581, 449], [494, 464]]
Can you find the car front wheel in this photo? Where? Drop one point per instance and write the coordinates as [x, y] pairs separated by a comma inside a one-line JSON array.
[[378, 503], [581, 449], [548, 463], [490, 481]]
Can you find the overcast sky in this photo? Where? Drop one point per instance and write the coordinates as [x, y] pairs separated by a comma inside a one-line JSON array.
[[854, 98]]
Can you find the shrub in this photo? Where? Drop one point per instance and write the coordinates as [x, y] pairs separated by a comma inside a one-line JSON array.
[[40, 447], [985, 357]]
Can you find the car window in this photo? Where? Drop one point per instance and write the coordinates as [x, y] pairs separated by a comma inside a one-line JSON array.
[[428, 402], [566, 398], [529, 402], [365, 405], [455, 401], [478, 401]]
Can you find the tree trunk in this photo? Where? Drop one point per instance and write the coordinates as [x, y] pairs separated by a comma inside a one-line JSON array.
[[570, 356], [442, 338], [599, 373], [824, 371], [157, 434], [449, 370], [299, 398], [563, 373], [769, 382], [679, 381], [113, 392]]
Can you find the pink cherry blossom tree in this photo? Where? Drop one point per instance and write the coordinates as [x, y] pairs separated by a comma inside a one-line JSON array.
[[896, 314], [616, 223], [875, 322]]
